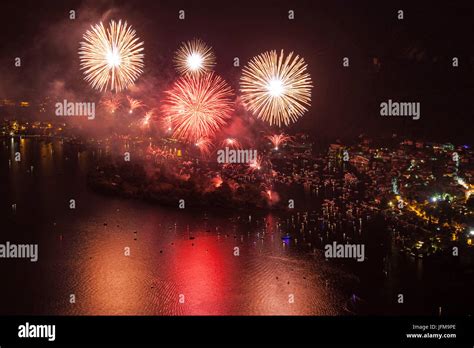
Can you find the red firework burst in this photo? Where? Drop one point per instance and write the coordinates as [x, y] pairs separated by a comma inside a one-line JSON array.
[[198, 106]]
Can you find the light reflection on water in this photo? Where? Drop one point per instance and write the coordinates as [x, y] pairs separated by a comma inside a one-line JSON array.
[[164, 264], [82, 253]]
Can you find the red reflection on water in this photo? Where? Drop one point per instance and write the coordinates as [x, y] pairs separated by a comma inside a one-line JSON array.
[[203, 271]]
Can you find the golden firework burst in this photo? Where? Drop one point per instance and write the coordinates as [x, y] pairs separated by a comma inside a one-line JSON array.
[[111, 58], [194, 57], [276, 88]]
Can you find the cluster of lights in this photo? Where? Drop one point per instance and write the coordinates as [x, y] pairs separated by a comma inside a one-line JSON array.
[[438, 198]]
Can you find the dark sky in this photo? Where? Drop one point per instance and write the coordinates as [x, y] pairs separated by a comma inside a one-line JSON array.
[[415, 54]]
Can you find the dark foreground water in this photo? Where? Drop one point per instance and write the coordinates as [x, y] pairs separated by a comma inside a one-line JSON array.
[[183, 262]]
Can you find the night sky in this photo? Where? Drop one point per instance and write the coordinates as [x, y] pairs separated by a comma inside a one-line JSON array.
[[415, 54]]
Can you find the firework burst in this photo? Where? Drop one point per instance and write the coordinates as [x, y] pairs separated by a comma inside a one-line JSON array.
[[111, 57], [145, 121], [204, 145], [197, 106], [231, 143], [134, 104], [255, 164], [276, 88], [278, 140], [111, 103], [194, 57]]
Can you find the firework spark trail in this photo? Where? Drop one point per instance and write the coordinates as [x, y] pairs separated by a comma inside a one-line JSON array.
[[277, 89], [111, 57], [231, 143], [204, 145], [278, 139], [157, 152], [168, 124], [198, 106], [255, 164], [145, 122], [111, 103], [134, 104], [271, 196], [194, 57]]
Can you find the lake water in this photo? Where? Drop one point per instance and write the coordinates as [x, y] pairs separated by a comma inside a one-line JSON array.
[[183, 262]]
